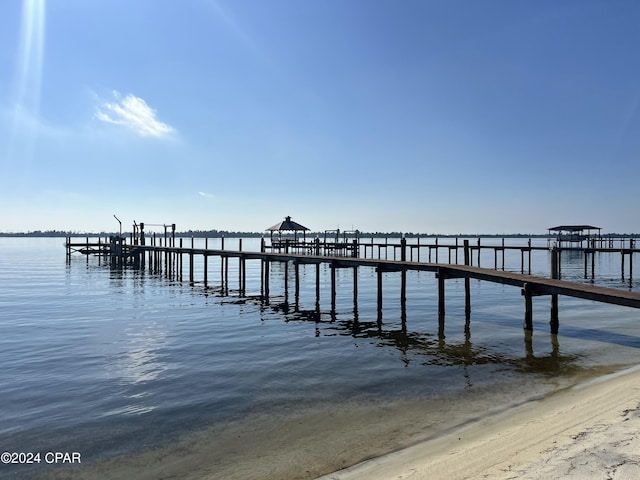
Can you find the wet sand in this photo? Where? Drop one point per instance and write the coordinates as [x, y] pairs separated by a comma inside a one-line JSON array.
[[584, 431], [589, 431]]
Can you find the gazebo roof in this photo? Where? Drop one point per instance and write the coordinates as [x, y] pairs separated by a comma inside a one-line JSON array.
[[287, 224], [573, 228]]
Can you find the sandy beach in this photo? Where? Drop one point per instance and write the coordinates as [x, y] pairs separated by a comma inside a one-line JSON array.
[[589, 431]]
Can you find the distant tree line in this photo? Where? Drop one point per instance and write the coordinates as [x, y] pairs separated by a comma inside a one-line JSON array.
[[236, 234]]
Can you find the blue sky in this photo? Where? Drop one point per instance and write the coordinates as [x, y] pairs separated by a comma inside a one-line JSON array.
[[414, 115]]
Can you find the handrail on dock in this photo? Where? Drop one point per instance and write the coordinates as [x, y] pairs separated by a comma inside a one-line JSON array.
[[301, 253]]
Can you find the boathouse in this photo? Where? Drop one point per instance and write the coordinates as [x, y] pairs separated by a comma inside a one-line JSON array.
[[572, 235]]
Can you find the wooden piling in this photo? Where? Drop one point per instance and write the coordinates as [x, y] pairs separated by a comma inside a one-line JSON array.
[[355, 287], [528, 307], [467, 283], [379, 272], [318, 285], [296, 295], [554, 322], [441, 294], [332, 267], [266, 279]]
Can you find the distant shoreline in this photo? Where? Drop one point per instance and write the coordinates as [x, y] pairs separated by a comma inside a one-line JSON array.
[[232, 234]]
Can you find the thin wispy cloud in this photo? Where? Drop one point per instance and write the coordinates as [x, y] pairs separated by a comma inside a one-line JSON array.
[[206, 195], [133, 113]]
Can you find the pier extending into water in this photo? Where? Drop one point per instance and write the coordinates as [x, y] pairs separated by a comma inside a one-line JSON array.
[[167, 257]]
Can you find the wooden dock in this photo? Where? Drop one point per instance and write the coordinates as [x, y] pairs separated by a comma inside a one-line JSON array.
[[169, 258]]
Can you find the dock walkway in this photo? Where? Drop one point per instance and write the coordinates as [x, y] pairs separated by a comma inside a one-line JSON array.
[[529, 285]]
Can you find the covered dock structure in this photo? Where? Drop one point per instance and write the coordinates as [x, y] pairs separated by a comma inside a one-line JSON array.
[[287, 226], [568, 236]]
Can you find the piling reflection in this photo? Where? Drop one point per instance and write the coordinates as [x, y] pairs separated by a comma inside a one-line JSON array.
[[427, 348]]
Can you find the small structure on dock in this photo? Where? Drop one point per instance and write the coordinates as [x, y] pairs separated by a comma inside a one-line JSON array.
[[287, 225], [570, 235]]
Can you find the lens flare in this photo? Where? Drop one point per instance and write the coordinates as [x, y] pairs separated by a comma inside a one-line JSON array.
[[28, 81]]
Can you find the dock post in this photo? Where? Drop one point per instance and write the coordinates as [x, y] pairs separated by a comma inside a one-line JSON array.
[[403, 288], [528, 307], [333, 288], [266, 279], [296, 296], [222, 279], [586, 257], [191, 267], [441, 296], [456, 250], [318, 287], [355, 288], [467, 284], [554, 323], [240, 268], [286, 281], [205, 262], [379, 272]]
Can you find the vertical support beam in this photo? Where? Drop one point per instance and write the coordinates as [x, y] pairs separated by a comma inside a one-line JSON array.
[[286, 281], [191, 266], [441, 294], [266, 280], [240, 259], [403, 289], [379, 272], [467, 284], [205, 262], [243, 261], [456, 250], [528, 307], [586, 256], [554, 322], [332, 267], [355, 289], [318, 286], [296, 267], [222, 279]]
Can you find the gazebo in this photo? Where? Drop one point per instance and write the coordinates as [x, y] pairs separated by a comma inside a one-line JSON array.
[[287, 225]]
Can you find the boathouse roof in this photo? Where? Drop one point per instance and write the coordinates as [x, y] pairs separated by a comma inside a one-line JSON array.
[[573, 228], [287, 224]]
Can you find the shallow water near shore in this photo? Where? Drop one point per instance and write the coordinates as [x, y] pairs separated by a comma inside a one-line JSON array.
[[125, 364]]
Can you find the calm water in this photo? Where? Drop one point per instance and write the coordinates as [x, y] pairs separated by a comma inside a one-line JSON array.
[[105, 361]]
